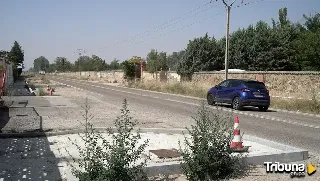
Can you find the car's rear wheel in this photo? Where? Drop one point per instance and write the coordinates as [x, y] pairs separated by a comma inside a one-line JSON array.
[[263, 108], [211, 99], [237, 103]]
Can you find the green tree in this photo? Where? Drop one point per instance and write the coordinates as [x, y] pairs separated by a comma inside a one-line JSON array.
[[307, 45], [52, 67], [202, 54], [114, 65], [41, 63], [16, 57], [173, 59], [129, 67], [153, 61], [3, 53], [312, 22], [95, 64], [62, 64]]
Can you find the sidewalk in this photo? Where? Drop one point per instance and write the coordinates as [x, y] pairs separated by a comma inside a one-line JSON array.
[[20, 88]]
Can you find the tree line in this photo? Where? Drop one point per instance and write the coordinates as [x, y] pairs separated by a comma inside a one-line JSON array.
[[281, 46], [15, 57], [84, 63]]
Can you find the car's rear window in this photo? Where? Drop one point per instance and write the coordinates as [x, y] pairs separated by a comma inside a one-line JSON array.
[[255, 85]]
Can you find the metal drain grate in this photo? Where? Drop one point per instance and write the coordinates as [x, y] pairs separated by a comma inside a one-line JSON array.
[[166, 153]]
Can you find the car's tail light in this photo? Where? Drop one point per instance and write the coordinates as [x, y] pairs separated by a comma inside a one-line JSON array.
[[245, 90]]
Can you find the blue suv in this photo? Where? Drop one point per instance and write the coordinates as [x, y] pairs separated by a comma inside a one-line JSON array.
[[240, 93]]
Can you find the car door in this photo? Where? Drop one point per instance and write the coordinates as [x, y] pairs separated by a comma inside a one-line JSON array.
[[221, 88], [230, 90], [227, 92]]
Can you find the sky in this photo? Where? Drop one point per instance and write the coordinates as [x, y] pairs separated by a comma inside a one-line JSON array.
[[125, 28]]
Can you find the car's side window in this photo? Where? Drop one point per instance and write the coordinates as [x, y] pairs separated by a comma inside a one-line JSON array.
[[224, 84], [234, 84]]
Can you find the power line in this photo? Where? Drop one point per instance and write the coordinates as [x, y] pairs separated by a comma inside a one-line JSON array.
[[172, 20], [238, 6], [175, 29], [155, 30]]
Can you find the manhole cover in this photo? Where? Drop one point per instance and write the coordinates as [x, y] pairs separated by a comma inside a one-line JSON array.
[[166, 153]]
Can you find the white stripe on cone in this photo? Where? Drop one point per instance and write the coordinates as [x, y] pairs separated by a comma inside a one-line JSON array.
[[237, 138], [236, 126]]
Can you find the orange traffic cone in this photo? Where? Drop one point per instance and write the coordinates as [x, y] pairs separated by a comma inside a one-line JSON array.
[[236, 142]]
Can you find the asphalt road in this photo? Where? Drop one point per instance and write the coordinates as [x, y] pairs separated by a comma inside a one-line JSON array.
[[292, 129]]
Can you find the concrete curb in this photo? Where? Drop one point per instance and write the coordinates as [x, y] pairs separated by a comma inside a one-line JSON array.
[[80, 131], [30, 90]]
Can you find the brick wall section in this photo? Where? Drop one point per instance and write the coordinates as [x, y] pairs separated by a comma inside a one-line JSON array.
[[283, 84]]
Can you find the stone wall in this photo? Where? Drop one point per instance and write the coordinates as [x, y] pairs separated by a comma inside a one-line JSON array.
[[108, 76], [281, 84], [171, 76], [301, 85]]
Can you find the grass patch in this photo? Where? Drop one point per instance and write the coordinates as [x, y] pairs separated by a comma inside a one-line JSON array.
[[199, 90], [185, 88], [307, 106], [41, 92]]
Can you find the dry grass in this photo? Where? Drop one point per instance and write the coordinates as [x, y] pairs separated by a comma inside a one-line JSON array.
[[200, 90], [185, 88], [93, 78], [37, 79], [307, 106]]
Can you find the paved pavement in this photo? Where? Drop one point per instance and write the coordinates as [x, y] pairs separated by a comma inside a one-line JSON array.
[[20, 89], [175, 111]]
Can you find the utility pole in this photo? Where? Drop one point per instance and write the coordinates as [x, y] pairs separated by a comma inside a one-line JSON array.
[[226, 58], [80, 51]]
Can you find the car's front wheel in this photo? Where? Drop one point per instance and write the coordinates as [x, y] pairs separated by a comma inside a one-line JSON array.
[[237, 103], [211, 99], [263, 108]]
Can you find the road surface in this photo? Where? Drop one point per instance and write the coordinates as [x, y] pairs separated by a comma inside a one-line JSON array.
[[175, 111]]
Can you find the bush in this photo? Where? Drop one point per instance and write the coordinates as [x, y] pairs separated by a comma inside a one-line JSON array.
[[129, 69], [41, 92], [115, 160], [207, 155]]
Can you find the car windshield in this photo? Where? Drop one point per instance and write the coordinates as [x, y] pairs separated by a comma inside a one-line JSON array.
[[255, 85]]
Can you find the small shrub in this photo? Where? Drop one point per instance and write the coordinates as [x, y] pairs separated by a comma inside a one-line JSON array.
[[41, 92], [121, 159], [129, 70], [207, 155]]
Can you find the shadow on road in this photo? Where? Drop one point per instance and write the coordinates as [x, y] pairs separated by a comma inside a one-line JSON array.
[[252, 109], [28, 159], [4, 117]]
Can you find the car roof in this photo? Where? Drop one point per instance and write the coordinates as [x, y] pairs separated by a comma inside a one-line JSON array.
[[245, 80]]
